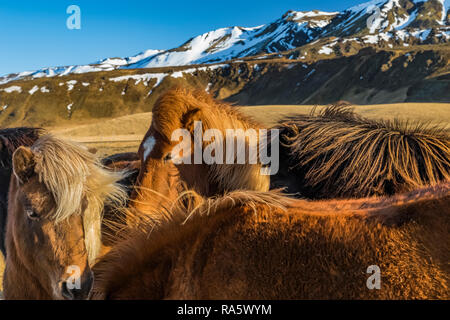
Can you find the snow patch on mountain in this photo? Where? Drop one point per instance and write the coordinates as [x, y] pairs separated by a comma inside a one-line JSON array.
[[33, 90], [12, 89], [145, 78]]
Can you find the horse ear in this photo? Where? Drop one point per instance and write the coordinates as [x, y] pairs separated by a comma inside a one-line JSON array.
[[23, 163], [190, 117]]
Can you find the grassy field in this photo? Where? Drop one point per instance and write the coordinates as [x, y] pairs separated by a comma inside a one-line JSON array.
[[125, 133]]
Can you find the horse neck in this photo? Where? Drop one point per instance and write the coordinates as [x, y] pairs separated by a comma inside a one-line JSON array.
[[19, 282], [116, 277]]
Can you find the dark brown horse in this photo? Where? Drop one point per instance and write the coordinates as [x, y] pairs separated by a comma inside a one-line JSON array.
[[10, 140], [56, 199], [338, 154]]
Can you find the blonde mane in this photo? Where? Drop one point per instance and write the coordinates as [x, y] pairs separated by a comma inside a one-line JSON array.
[[79, 185], [169, 113]]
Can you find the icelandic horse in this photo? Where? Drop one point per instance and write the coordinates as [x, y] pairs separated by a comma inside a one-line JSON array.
[[333, 154], [56, 200]]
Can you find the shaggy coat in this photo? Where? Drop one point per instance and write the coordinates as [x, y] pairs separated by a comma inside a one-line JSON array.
[[333, 154], [338, 154], [250, 245], [180, 109]]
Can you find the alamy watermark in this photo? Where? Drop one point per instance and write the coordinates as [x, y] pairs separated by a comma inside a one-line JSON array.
[[374, 281], [236, 146], [74, 20], [74, 280]]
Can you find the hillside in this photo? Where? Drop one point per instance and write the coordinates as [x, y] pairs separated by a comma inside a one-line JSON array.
[[369, 76]]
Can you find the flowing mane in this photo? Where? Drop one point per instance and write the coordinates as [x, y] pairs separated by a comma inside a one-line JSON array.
[[78, 183], [175, 107], [338, 154]]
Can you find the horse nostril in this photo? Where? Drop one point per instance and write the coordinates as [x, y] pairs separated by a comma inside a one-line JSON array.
[[66, 292]]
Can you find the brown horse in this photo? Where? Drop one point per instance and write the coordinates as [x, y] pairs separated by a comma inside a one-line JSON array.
[[250, 245], [338, 154], [56, 199], [10, 140], [181, 109], [335, 154]]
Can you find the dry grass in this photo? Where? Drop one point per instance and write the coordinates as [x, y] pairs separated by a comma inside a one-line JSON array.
[[438, 113], [122, 134]]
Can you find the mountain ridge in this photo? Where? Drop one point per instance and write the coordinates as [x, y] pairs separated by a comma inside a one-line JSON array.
[[420, 21]]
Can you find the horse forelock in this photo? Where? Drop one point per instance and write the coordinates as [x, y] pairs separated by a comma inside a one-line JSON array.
[[78, 183]]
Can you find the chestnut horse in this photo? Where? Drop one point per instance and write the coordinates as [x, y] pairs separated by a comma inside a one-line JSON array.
[[181, 109], [56, 198], [10, 140], [256, 245]]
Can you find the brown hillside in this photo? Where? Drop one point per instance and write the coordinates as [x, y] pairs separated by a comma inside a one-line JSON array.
[[368, 77]]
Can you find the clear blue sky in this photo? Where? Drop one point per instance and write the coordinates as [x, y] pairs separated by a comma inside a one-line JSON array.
[[33, 34]]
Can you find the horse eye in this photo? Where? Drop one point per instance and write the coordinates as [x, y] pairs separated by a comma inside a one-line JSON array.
[[168, 157], [32, 214]]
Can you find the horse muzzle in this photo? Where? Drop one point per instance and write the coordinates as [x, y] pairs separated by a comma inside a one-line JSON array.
[[73, 290]]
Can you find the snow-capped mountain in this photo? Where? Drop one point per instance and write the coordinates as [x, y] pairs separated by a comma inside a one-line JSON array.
[[370, 22], [294, 29], [379, 16]]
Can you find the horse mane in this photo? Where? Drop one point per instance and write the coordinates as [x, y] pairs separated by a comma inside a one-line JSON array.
[[342, 154], [178, 102], [78, 183], [163, 211], [12, 138]]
